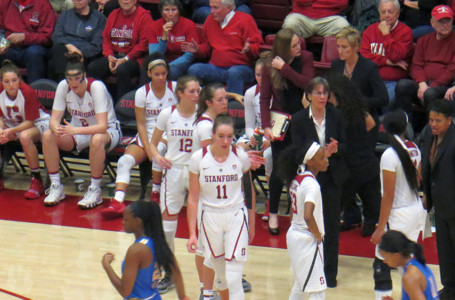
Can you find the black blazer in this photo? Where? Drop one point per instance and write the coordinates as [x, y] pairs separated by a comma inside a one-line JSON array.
[[439, 182], [303, 129], [367, 79]]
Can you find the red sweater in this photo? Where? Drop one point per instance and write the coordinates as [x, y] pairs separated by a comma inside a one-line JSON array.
[[184, 30], [37, 21], [317, 9], [396, 46], [139, 41], [434, 60], [224, 46]]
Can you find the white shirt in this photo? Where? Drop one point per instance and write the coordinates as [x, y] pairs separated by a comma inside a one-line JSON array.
[[203, 130], [390, 161], [180, 135], [220, 183], [227, 19], [83, 110], [305, 188], [252, 111], [320, 129]]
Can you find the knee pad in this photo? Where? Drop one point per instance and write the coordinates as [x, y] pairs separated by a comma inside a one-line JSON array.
[[162, 149], [381, 275], [234, 271], [170, 228], [124, 166], [219, 266]]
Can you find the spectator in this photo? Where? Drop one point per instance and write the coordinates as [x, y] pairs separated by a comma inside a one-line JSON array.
[[125, 41], [107, 6], [417, 15], [316, 17], [28, 26], [438, 174], [433, 64], [201, 9], [389, 44], [167, 35], [285, 76], [77, 30], [231, 40], [61, 5]]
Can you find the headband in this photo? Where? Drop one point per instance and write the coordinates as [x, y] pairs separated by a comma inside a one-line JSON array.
[[400, 141], [311, 152], [156, 62], [74, 75]]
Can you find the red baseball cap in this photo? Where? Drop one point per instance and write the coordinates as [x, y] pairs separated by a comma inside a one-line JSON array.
[[442, 11]]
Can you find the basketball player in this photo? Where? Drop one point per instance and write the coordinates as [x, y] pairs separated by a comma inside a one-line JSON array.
[[299, 167], [22, 117], [149, 101], [418, 281], [216, 176], [93, 125], [401, 207], [178, 124], [146, 257]]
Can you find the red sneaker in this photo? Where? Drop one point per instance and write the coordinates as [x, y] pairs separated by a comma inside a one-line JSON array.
[[2, 185], [114, 211], [155, 196], [265, 216], [36, 189]]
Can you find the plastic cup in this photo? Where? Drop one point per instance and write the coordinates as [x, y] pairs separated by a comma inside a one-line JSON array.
[[79, 184], [111, 189]]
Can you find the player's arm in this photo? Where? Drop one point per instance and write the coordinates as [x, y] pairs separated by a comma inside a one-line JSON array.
[[193, 201], [388, 178], [133, 258], [311, 221], [54, 122], [178, 281], [142, 130], [21, 127], [100, 127], [411, 283], [250, 200], [156, 138]]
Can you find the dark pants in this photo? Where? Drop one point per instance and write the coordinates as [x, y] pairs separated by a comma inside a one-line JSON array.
[[406, 94], [33, 58], [445, 238], [369, 191], [331, 204], [275, 182], [99, 69], [58, 62]]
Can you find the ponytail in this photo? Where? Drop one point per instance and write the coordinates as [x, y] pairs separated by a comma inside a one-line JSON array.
[[396, 242], [207, 93], [9, 67], [395, 123], [150, 214]]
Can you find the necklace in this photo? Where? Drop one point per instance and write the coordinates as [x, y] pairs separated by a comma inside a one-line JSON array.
[[347, 73]]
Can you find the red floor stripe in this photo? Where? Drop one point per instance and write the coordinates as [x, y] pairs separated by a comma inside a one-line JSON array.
[[14, 295], [15, 208]]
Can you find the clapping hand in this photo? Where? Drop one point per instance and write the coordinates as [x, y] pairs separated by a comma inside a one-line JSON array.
[[331, 148]]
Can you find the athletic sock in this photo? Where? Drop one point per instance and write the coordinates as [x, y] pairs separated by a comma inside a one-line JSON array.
[[202, 285], [96, 181], [36, 174], [55, 177], [156, 187], [208, 294], [119, 195], [381, 294]]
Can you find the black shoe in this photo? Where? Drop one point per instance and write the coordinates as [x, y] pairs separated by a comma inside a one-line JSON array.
[[446, 294], [246, 285], [368, 229], [274, 231], [345, 226], [332, 283]]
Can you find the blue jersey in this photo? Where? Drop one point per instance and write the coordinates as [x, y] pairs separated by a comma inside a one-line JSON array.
[[145, 286], [431, 292]]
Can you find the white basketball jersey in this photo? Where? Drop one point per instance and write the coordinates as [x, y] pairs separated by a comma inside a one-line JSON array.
[[83, 110], [220, 183], [203, 130], [145, 98], [305, 188], [180, 133]]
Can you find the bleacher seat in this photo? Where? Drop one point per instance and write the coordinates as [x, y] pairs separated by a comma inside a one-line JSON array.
[[269, 39], [270, 14], [329, 53]]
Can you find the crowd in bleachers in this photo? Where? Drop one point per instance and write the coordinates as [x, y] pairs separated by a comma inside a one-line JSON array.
[[384, 55]]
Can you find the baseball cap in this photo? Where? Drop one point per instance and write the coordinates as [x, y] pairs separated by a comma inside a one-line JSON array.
[[442, 11]]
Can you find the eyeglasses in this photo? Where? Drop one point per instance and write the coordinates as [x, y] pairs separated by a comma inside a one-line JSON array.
[[325, 94]]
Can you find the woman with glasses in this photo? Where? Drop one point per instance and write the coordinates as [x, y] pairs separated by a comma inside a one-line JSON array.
[[325, 125]]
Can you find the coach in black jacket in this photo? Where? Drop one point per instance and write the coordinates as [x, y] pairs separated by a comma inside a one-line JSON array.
[[438, 171], [303, 129]]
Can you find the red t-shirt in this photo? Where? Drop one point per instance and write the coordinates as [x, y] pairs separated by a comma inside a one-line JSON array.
[[25, 107], [122, 32]]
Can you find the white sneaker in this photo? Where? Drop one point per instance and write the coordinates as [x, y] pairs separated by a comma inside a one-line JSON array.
[[55, 194], [92, 198]]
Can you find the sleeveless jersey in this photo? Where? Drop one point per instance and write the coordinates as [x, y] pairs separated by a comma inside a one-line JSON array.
[[145, 98], [204, 127], [83, 110], [26, 106], [145, 285], [431, 292], [220, 183], [180, 134], [305, 188], [390, 161]]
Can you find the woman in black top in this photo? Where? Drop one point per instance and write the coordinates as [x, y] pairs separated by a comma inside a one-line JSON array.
[[284, 79]]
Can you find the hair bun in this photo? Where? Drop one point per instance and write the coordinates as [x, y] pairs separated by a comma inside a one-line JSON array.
[[74, 57], [7, 62]]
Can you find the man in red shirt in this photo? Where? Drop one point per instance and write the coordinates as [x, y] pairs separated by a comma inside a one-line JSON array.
[[433, 64], [28, 26], [389, 44], [316, 17], [231, 39]]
